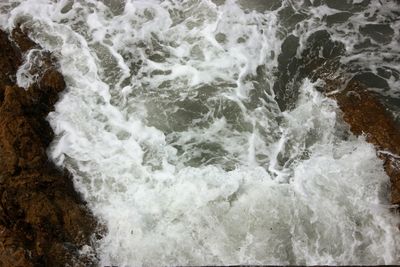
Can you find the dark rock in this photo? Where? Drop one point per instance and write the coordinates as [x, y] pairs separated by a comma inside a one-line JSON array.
[[22, 40], [43, 221], [9, 63]]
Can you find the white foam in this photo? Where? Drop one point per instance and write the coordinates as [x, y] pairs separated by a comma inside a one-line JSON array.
[[32, 68]]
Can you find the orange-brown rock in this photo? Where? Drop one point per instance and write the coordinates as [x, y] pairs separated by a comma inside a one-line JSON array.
[[361, 108], [366, 115], [43, 221]]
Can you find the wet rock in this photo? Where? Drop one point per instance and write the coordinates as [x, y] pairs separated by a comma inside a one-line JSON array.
[[361, 108], [364, 112], [22, 40], [43, 221], [366, 115], [10, 60]]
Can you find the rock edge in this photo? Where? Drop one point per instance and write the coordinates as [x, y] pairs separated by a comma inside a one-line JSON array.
[[43, 220]]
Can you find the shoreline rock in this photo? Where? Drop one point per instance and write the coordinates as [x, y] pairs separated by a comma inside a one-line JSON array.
[[361, 108], [43, 220], [366, 115]]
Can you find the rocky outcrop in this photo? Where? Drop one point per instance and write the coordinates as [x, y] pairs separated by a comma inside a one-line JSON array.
[[43, 221], [362, 109], [366, 115]]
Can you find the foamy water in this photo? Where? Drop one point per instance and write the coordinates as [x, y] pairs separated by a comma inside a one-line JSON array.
[[171, 129]]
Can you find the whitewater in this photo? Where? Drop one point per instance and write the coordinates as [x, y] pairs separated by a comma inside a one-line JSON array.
[[173, 134]]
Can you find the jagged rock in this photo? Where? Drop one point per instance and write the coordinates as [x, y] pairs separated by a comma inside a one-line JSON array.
[[361, 108], [366, 115], [43, 221]]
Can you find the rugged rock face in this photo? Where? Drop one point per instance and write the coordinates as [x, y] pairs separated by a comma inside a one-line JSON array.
[[364, 112], [43, 221], [366, 115], [361, 108]]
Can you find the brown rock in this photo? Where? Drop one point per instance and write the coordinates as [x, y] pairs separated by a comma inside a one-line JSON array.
[[22, 40], [361, 108], [43, 221], [366, 115]]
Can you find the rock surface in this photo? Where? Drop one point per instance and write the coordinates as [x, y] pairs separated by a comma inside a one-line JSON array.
[[43, 221], [366, 115], [362, 109]]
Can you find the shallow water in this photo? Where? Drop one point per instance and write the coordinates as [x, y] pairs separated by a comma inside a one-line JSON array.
[[187, 150]]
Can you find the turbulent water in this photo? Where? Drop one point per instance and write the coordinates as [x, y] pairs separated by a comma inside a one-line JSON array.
[[173, 132]]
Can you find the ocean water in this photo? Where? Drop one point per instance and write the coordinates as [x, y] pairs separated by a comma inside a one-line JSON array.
[[172, 128]]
